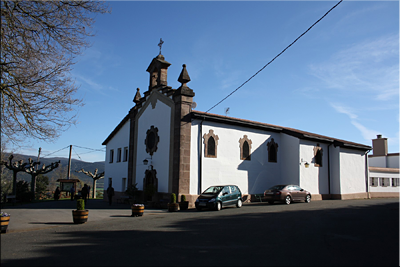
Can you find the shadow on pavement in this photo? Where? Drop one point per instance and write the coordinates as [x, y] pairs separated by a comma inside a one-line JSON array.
[[357, 236], [50, 223]]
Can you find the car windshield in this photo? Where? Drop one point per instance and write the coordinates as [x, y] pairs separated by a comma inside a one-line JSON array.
[[213, 190], [277, 187]]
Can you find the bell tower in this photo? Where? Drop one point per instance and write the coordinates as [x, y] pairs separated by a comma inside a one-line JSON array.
[[158, 69]]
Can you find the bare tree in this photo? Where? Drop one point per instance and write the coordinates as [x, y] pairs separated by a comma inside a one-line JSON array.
[[95, 176], [34, 170], [39, 42], [15, 167]]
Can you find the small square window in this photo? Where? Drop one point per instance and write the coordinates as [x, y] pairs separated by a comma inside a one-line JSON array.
[[111, 156], [384, 182], [119, 155], [126, 153], [395, 182]]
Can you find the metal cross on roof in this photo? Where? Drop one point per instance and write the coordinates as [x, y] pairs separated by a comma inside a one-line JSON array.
[[160, 44]]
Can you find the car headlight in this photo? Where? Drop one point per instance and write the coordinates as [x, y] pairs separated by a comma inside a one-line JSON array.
[[212, 200]]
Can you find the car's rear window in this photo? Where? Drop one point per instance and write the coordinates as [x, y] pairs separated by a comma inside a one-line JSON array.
[[277, 187]]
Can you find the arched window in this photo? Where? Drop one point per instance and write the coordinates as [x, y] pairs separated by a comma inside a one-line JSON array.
[[272, 151], [317, 156], [272, 154], [210, 144], [245, 148]]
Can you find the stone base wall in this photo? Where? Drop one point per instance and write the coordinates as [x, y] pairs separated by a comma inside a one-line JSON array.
[[116, 196], [355, 196], [349, 196], [384, 195]]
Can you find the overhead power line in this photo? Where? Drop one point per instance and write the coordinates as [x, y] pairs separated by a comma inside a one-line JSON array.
[[101, 149], [55, 152], [275, 57], [76, 152], [92, 151]]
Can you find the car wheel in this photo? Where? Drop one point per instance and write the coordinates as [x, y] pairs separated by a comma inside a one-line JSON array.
[[218, 206], [288, 200], [270, 202], [308, 199], [198, 208], [239, 203]]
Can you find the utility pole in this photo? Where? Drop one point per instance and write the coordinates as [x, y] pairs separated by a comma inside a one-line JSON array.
[[69, 162], [38, 156]]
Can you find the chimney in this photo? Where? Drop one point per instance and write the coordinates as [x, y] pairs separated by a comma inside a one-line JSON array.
[[379, 146]]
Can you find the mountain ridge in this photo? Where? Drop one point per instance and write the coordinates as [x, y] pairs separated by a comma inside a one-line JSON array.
[[61, 171]]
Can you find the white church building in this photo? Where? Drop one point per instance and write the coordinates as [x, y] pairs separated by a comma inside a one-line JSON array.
[[188, 151]]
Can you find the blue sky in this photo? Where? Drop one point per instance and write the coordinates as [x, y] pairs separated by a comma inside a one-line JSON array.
[[341, 79]]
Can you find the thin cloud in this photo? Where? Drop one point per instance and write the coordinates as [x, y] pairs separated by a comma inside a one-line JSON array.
[[368, 134], [370, 67], [345, 110], [94, 85]]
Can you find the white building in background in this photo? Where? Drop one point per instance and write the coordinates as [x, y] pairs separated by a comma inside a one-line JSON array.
[[189, 150], [383, 170]]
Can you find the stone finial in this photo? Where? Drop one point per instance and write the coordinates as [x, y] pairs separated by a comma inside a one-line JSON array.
[[184, 76], [137, 97]]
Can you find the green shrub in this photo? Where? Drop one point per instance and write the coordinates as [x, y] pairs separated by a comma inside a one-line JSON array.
[[173, 198], [23, 192], [80, 204], [42, 182], [132, 190], [183, 198]]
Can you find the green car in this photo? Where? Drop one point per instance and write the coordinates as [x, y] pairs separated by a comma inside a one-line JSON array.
[[215, 197]]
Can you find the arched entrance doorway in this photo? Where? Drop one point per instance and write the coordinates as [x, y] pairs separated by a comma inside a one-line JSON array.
[[150, 185]]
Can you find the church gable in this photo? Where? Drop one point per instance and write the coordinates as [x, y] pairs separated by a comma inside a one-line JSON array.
[[162, 112], [153, 138]]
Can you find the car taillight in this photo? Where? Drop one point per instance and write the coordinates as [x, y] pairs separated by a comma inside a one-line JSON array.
[[278, 193]]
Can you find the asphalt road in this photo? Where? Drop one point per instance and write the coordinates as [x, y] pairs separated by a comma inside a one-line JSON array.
[[323, 233]]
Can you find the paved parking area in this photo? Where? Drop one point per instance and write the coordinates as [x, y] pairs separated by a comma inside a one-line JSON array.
[[36, 216], [330, 232]]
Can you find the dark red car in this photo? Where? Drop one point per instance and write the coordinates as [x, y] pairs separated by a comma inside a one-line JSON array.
[[286, 194]]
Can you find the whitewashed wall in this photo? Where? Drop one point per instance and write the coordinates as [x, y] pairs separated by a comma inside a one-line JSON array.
[[352, 171], [384, 189], [390, 161], [290, 167], [195, 158], [377, 161], [313, 179], [252, 176], [393, 161], [159, 117], [334, 158], [117, 170]]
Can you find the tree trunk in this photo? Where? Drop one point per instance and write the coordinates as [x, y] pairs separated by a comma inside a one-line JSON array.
[[94, 188], [33, 184], [14, 183]]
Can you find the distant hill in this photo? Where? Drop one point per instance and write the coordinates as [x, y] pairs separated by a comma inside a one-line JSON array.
[[61, 171]]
